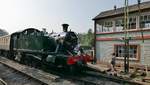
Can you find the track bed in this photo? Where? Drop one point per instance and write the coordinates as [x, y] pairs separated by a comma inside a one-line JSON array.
[[13, 77]]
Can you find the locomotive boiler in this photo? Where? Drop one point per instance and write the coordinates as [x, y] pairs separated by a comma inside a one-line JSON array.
[[33, 47]]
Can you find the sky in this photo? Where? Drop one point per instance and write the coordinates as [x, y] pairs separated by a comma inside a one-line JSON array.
[[16, 15]]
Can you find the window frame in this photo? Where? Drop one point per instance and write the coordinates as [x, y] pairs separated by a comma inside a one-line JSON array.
[[137, 58], [144, 20]]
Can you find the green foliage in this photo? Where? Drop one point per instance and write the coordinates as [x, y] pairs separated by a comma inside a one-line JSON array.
[[87, 39]]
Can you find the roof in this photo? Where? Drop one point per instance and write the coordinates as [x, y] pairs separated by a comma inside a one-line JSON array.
[[132, 8], [32, 29], [3, 32]]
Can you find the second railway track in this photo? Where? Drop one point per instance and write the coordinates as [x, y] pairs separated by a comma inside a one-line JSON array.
[[14, 77]]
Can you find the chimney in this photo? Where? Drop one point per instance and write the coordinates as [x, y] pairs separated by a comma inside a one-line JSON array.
[[65, 27], [115, 7], [139, 2]]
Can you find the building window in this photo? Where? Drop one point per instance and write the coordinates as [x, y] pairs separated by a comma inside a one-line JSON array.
[[119, 25], [133, 51], [145, 21], [107, 26], [99, 28], [104, 26], [132, 23]]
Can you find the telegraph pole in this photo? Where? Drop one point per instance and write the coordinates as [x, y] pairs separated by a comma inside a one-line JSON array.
[[126, 38], [139, 2]]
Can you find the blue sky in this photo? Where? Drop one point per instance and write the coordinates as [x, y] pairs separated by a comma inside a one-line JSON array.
[[50, 14]]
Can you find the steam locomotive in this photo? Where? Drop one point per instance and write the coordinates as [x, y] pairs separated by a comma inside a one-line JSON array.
[[34, 47]]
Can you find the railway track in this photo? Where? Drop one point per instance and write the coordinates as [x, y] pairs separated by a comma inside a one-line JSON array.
[[96, 73], [14, 73], [93, 77], [85, 78], [14, 77], [2, 82], [114, 80], [89, 80], [27, 76], [96, 78]]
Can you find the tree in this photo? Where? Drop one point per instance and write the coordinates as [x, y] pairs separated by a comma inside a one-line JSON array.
[[90, 37], [87, 39]]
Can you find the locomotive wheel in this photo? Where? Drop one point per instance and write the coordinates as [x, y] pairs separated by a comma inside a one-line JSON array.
[[35, 63], [0, 52], [72, 69], [23, 60], [5, 53], [26, 60]]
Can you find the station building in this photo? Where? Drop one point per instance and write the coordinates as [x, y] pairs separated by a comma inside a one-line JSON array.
[[109, 34]]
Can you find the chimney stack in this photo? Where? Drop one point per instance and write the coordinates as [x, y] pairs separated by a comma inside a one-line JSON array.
[[115, 7], [65, 27]]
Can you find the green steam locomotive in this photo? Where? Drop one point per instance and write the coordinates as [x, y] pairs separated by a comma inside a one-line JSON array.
[[33, 47]]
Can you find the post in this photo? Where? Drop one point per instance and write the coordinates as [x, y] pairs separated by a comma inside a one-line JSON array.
[[95, 59], [126, 38], [126, 56]]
